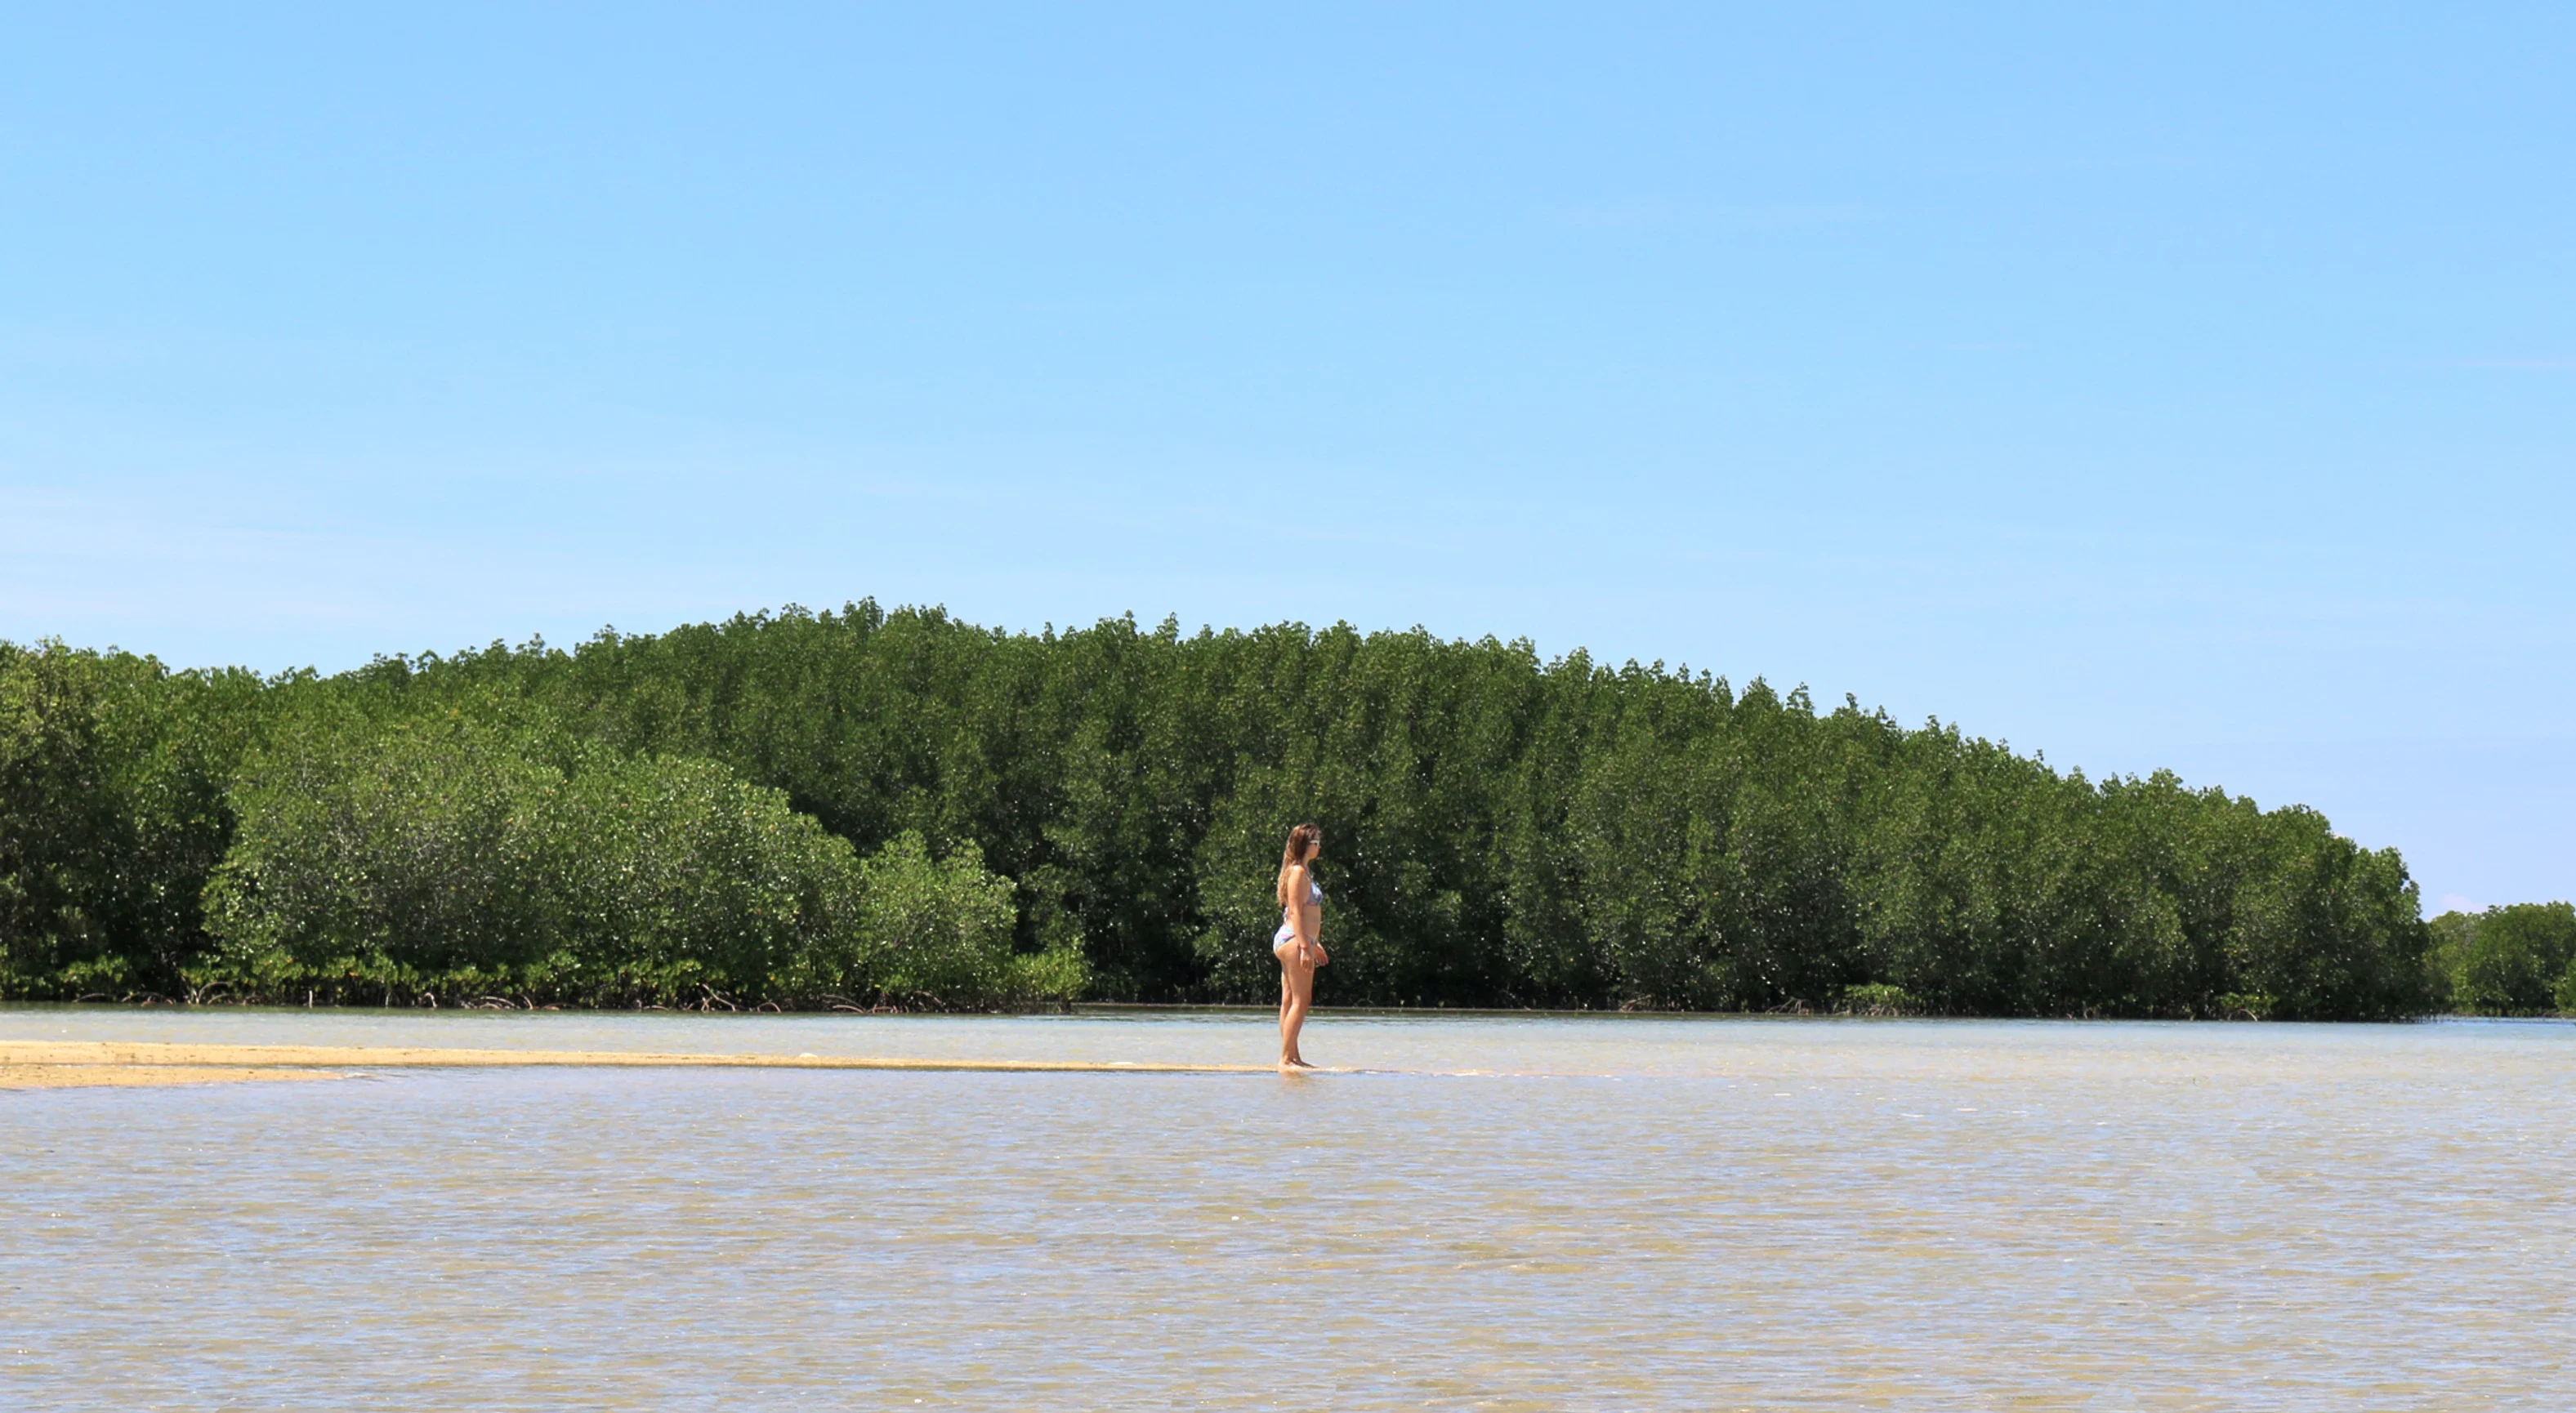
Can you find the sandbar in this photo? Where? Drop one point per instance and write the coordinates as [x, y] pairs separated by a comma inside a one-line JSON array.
[[16, 1076], [53, 1064]]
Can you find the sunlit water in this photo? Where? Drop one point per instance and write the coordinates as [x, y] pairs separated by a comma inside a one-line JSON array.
[[1621, 1214]]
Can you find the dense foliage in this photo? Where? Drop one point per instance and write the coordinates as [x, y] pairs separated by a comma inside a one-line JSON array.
[[2518, 960], [113, 776], [751, 808]]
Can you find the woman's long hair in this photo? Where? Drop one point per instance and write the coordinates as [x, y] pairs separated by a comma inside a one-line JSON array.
[[1300, 840]]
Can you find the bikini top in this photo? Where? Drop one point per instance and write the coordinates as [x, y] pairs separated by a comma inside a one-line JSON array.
[[1314, 891]]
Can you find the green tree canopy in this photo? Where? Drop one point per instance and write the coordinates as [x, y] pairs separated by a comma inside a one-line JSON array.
[[663, 810], [2515, 960]]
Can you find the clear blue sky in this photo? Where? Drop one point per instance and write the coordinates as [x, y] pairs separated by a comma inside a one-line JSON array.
[[2175, 385]]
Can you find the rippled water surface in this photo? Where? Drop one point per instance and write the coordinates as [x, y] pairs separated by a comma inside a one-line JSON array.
[[1614, 1214]]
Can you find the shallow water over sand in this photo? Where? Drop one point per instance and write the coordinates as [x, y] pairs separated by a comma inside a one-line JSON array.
[[1614, 1214]]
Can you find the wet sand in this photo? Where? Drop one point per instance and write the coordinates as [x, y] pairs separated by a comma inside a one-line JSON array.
[[22, 1076], [50, 1064]]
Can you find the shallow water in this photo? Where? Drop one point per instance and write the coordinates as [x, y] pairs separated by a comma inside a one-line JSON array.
[[1617, 1214]]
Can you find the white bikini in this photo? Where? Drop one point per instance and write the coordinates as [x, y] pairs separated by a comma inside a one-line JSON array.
[[1288, 916]]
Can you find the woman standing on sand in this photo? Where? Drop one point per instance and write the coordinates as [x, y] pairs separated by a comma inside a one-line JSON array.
[[1301, 915]]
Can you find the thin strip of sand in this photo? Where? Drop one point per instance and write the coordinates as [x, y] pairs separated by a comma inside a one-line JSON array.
[[119, 1062], [14, 1076]]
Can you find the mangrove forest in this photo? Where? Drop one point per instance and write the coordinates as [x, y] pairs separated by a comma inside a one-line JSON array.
[[866, 809]]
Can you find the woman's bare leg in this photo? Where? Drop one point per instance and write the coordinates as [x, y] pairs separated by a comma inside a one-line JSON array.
[[1300, 982]]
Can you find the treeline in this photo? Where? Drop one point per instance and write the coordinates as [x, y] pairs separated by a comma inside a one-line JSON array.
[[2517, 960], [210, 836], [865, 807]]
